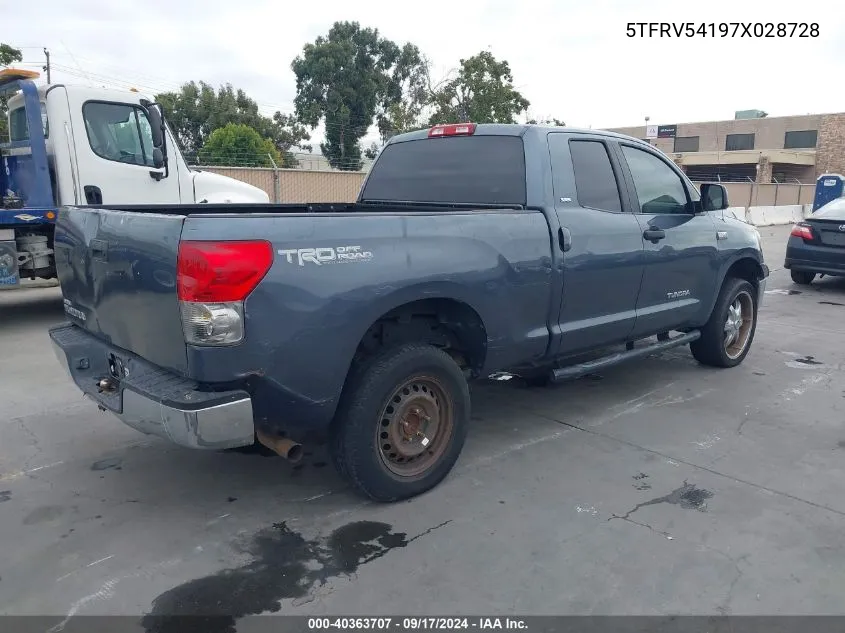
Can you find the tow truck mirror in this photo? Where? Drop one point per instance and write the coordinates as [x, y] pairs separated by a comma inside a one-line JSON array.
[[158, 129], [156, 123], [714, 197], [158, 158]]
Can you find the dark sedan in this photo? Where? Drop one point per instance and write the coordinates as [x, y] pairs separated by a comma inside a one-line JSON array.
[[816, 246]]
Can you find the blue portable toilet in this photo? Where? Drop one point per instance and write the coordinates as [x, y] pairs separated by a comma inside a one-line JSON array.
[[828, 187]]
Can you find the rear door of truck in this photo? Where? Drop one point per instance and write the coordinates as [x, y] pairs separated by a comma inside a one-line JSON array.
[[117, 270]]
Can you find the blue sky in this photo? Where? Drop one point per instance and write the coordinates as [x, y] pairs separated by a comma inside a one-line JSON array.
[[571, 59]]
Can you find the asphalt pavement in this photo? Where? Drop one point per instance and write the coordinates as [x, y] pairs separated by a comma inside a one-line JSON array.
[[655, 487]]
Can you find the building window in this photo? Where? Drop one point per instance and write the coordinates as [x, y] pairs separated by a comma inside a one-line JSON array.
[[735, 142], [803, 139], [686, 144]]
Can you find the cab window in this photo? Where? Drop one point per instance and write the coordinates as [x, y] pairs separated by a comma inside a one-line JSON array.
[[18, 128], [119, 132], [659, 189]]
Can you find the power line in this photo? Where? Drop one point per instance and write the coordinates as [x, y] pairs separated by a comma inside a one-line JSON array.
[[158, 85], [363, 126]]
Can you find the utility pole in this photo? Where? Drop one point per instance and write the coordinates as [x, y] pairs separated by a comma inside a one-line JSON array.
[[47, 65]]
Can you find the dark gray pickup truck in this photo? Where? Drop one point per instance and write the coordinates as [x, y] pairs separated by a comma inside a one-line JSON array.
[[547, 253]]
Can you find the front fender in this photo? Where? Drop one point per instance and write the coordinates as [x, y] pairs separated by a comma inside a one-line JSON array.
[[747, 259]]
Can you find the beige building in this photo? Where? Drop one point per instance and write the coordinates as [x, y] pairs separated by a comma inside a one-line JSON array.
[[753, 147]]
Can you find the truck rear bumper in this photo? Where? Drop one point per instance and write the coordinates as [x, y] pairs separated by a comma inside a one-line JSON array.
[[153, 400]]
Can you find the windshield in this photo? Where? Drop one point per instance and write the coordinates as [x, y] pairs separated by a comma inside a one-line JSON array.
[[472, 170]]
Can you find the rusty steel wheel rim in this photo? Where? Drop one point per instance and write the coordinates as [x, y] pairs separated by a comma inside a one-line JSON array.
[[415, 426], [738, 324]]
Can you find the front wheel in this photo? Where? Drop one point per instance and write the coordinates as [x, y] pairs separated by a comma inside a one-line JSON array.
[[802, 277], [726, 337], [402, 422]]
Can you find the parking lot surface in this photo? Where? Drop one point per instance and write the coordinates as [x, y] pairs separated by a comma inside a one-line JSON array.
[[657, 487]]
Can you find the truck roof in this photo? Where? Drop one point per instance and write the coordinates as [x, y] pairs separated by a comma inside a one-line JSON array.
[[96, 93], [514, 129]]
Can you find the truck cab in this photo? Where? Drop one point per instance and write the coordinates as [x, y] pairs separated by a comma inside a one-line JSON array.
[[82, 145]]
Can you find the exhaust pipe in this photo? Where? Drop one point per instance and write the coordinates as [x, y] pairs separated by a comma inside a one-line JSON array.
[[288, 449]]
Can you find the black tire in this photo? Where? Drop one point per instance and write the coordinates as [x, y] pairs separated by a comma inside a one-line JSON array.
[[713, 348], [802, 277], [358, 433]]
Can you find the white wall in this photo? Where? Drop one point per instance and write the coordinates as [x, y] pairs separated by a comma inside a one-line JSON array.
[[771, 216]]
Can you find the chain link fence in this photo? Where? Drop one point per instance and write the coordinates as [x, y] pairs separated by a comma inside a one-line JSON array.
[[302, 185], [298, 185], [753, 194]]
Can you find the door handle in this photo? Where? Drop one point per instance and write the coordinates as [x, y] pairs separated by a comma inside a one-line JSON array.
[[564, 238], [93, 194], [654, 235]]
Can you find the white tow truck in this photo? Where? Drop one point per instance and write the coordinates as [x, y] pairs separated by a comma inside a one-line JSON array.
[[82, 145]]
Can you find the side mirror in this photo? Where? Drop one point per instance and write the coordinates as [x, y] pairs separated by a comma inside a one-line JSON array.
[[158, 158], [158, 131], [714, 197], [156, 123]]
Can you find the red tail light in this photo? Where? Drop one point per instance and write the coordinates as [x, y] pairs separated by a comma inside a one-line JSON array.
[[803, 231], [217, 272], [452, 129]]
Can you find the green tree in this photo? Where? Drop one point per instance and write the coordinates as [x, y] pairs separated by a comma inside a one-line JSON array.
[[347, 78], [552, 122], [8, 55], [238, 144], [482, 92], [197, 110], [408, 97], [372, 151]]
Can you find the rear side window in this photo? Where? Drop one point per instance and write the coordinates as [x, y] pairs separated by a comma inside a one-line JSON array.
[[463, 169], [594, 179], [18, 127]]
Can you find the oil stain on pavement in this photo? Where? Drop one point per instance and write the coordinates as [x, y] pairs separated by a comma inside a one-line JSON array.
[[640, 483], [110, 463], [284, 565], [688, 496]]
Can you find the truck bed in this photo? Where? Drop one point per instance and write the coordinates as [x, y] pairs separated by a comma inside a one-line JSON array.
[[118, 268], [301, 208]]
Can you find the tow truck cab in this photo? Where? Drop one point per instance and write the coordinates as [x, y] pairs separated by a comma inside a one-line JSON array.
[[81, 145]]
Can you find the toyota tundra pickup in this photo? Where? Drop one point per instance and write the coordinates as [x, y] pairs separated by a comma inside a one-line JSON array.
[[547, 253]]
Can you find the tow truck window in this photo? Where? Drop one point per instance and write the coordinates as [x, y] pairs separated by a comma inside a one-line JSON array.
[[19, 130], [119, 132]]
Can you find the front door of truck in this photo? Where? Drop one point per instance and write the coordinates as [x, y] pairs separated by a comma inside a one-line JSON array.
[[114, 152], [679, 241], [600, 242]]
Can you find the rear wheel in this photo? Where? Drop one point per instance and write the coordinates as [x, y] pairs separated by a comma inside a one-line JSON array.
[[726, 337], [802, 277], [402, 422]]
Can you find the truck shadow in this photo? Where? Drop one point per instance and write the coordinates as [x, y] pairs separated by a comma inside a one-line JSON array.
[[161, 480], [832, 286], [35, 307]]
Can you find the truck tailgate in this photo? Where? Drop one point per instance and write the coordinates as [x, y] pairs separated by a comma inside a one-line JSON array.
[[117, 271]]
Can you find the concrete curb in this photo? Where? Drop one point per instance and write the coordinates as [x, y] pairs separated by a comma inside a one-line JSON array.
[[772, 216]]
